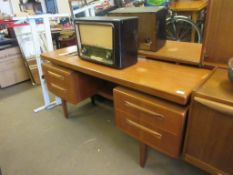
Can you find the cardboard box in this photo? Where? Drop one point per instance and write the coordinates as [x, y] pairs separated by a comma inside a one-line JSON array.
[[12, 68], [35, 75], [34, 70]]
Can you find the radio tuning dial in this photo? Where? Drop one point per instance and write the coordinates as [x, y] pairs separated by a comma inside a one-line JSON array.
[[108, 55]]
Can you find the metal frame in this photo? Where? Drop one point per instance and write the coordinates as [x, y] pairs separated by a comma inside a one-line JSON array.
[[48, 104]]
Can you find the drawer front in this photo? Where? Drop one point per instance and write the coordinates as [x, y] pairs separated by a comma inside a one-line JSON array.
[[59, 76], [156, 138], [150, 111], [61, 82]]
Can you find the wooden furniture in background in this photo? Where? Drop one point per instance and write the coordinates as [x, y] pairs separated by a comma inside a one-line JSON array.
[[151, 25], [218, 38], [190, 7], [155, 122], [193, 6], [12, 68], [67, 37], [210, 126], [179, 52], [56, 33]]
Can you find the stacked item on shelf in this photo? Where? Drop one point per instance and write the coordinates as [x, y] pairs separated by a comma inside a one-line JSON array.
[[67, 38], [63, 33]]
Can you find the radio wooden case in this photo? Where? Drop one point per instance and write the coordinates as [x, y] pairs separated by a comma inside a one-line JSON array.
[[152, 20], [111, 41]]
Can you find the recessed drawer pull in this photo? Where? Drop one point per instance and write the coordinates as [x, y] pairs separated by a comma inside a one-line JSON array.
[[132, 123], [57, 87], [56, 75], [225, 109], [159, 116]]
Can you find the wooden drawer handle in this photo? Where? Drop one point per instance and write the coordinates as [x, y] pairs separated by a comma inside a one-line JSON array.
[[58, 87], [159, 116], [154, 133], [225, 109], [56, 75]]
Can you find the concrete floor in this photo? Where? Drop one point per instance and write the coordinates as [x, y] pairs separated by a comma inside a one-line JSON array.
[[88, 143]]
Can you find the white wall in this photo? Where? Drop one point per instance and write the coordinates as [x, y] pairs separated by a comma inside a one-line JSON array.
[[63, 6], [5, 7], [15, 6]]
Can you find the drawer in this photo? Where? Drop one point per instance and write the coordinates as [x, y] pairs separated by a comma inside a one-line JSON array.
[[58, 75], [150, 111], [158, 139], [68, 84]]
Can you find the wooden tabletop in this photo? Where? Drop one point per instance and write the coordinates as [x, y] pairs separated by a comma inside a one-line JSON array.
[[189, 5], [218, 87], [181, 52], [165, 80]]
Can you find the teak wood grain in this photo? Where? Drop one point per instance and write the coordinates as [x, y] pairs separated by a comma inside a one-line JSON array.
[[179, 52], [154, 112], [168, 81], [209, 135], [70, 85], [152, 121], [218, 38], [218, 88]]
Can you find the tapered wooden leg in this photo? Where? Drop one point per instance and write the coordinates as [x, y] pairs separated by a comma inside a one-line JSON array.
[[143, 154], [93, 100], [65, 110]]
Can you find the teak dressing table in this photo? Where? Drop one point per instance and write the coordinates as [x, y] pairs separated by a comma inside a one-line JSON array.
[[158, 92]]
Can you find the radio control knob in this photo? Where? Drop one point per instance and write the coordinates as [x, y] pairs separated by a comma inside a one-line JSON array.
[[108, 55], [84, 50]]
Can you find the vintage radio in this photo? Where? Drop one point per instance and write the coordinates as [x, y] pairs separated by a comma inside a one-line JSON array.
[[152, 20], [111, 41]]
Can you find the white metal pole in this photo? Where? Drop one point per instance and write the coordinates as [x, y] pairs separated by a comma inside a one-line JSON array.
[[35, 36], [38, 61], [48, 34], [87, 14], [92, 11], [50, 48]]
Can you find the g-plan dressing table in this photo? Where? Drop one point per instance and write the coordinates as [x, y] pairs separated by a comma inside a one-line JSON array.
[[151, 98]]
